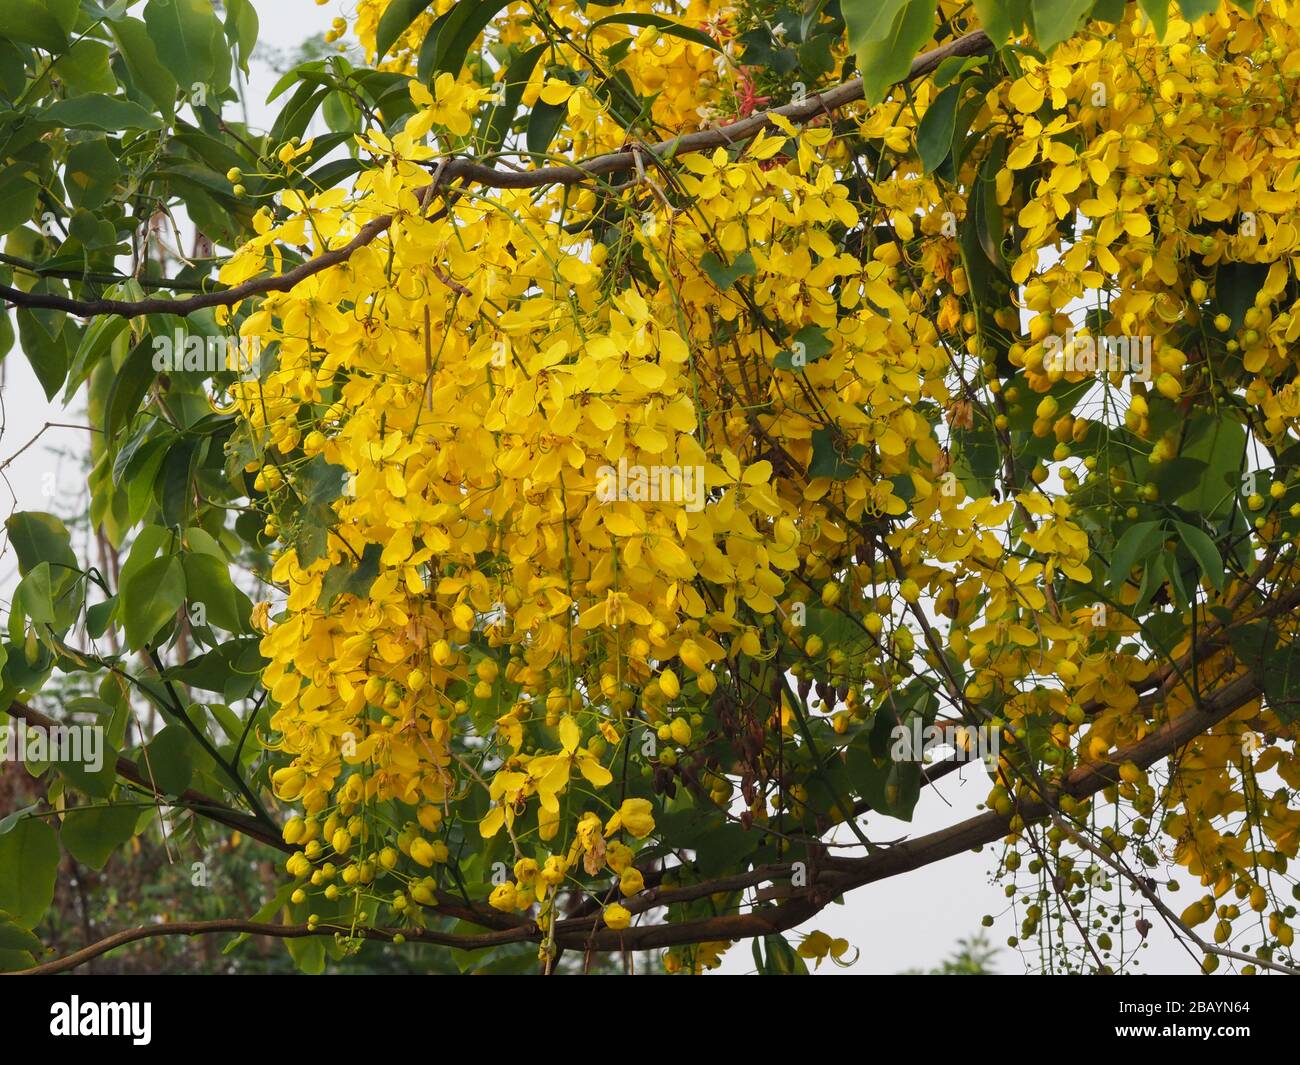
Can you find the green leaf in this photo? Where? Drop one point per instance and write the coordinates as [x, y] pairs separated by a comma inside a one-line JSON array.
[[231, 669], [170, 760], [1154, 574], [393, 23], [31, 22], [142, 62], [1056, 20], [34, 598], [13, 68], [100, 333], [934, 134], [85, 67], [1177, 476], [46, 351], [808, 345], [1137, 542], [982, 241], [497, 123], [241, 29], [886, 36], [308, 953], [892, 786], [29, 862], [1158, 12], [94, 110], [670, 26], [93, 833], [277, 902], [207, 581], [148, 542], [321, 482], [189, 42], [1194, 9], [1111, 11], [37, 537], [150, 597], [828, 462], [91, 173], [543, 124], [452, 35], [81, 772], [18, 194], [98, 617], [14, 938], [6, 334], [1275, 665], [871, 20], [1204, 551], [975, 458], [995, 18], [352, 580], [781, 960], [725, 276], [130, 384], [723, 847], [1221, 444], [1235, 288]]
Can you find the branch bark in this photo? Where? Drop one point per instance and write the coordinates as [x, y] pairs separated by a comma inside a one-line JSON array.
[[209, 807], [472, 171], [833, 878]]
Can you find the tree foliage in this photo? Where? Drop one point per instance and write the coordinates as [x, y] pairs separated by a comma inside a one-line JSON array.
[[545, 499]]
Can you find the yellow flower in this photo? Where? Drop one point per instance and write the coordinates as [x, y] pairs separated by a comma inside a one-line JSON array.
[[504, 897], [631, 881], [636, 816], [554, 870], [616, 916], [422, 852]]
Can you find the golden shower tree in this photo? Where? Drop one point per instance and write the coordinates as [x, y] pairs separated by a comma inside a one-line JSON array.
[[559, 496]]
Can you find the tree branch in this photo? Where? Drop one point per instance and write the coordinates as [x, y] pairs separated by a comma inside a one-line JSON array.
[[471, 171], [278, 931], [204, 804], [833, 878]]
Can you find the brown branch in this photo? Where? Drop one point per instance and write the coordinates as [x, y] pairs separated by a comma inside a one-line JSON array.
[[1082, 782], [834, 878], [740, 926], [471, 171], [214, 810], [223, 298], [200, 803], [278, 931]]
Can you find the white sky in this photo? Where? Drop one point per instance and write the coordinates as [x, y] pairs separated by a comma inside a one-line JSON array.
[[912, 921]]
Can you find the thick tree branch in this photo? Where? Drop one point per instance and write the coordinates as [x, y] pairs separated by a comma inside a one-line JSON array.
[[215, 810], [223, 298], [471, 171], [278, 931], [209, 807], [1084, 781], [833, 878]]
